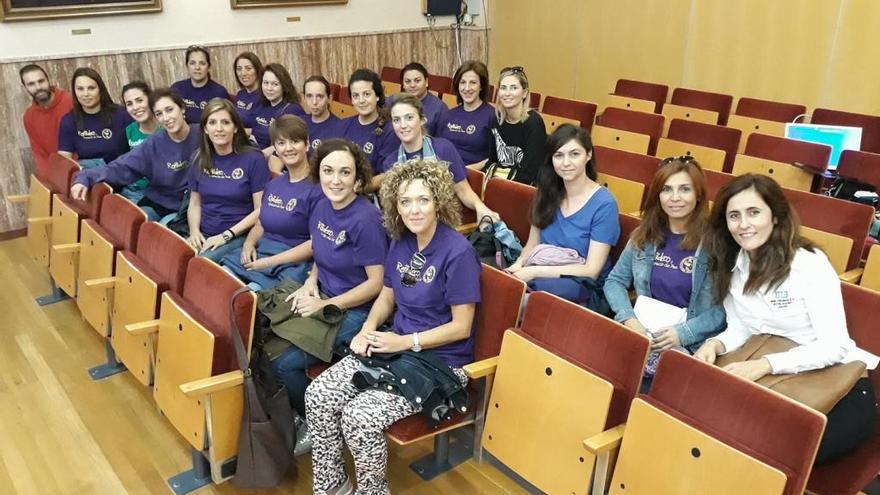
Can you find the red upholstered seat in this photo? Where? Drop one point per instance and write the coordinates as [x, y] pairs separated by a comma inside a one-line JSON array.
[[534, 99], [440, 84], [334, 91], [91, 207], [628, 224], [632, 166], [581, 111], [633, 121], [391, 74], [860, 165], [714, 181], [643, 90], [475, 180], [344, 95], [512, 201], [742, 414], [837, 216], [716, 102], [812, 156], [870, 125], [711, 136], [853, 472], [60, 175], [162, 256], [769, 110], [121, 220]]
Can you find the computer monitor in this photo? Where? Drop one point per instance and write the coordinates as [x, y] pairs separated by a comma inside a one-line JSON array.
[[838, 137]]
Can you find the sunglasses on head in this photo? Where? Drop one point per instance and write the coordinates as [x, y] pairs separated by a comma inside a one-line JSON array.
[[416, 263], [515, 68], [682, 158]]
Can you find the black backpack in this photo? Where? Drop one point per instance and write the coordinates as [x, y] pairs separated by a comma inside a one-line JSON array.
[[844, 188], [488, 248]]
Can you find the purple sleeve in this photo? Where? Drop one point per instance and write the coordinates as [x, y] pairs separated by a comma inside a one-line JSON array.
[[67, 134], [388, 163], [461, 284], [390, 265], [124, 170], [388, 144], [447, 152], [371, 245], [195, 172], [259, 175]]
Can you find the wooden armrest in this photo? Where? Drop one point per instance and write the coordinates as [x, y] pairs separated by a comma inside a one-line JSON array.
[[482, 368], [101, 283], [601, 443], [212, 384], [466, 228], [143, 327], [852, 276], [39, 221], [66, 248], [18, 198]]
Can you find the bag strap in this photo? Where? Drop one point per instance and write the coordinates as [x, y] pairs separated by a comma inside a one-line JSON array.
[[240, 353]]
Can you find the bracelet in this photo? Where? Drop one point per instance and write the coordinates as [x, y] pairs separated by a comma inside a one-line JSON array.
[[231, 233]]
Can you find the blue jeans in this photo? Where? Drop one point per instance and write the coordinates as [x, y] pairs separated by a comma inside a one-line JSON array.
[[291, 366], [272, 276], [221, 251], [581, 291]]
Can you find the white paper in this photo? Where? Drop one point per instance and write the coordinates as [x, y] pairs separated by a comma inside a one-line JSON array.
[[654, 314]]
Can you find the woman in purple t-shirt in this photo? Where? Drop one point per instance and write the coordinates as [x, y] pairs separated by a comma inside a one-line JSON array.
[[432, 278], [469, 125], [226, 183], [370, 128], [248, 74], [278, 96], [199, 88]]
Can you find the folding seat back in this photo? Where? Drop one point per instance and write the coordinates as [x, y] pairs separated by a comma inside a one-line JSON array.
[[582, 111], [769, 110], [750, 125], [860, 165], [390, 74], [141, 279], [342, 110], [345, 96], [703, 430], [870, 125], [534, 99], [715, 181], [717, 137], [638, 122], [334, 91], [469, 218], [450, 100], [835, 216], [513, 202], [628, 194], [708, 158], [644, 91], [811, 156], [551, 122], [715, 102], [871, 276], [390, 88], [195, 343], [631, 166], [562, 351], [99, 242], [786, 174], [440, 84], [628, 224]]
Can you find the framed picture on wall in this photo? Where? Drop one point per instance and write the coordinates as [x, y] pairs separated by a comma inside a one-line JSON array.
[[29, 10], [250, 4]]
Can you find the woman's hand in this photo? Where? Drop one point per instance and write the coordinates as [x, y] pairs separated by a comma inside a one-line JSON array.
[[753, 369], [526, 274], [297, 298], [78, 192], [307, 305], [386, 342], [196, 240], [212, 243], [359, 344], [666, 338], [517, 266], [484, 211], [636, 325], [708, 352], [248, 253]]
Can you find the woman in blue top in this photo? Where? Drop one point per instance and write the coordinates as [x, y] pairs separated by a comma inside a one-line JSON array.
[[248, 74], [573, 212], [664, 260], [199, 88], [226, 183], [278, 96], [430, 290], [288, 201], [94, 130]]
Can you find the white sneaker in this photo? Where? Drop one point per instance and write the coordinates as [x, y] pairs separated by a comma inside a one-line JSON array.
[[303, 440]]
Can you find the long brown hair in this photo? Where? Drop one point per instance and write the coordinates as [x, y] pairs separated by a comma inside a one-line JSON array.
[[655, 222], [771, 263]]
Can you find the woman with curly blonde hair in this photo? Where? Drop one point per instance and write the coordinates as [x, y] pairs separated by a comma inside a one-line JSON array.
[[432, 276]]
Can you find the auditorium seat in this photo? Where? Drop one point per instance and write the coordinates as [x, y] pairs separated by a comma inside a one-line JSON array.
[[638, 122], [750, 125], [629, 103], [870, 125], [100, 241], [390, 88], [390, 74], [631, 166], [786, 174], [342, 110], [334, 91], [673, 111], [582, 111], [513, 202], [561, 351], [345, 96], [551, 122], [628, 223], [644, 91], [534, 100], [440, 84], [628, 194], [450, 100], [704, 430], [769, 110], [708, 158], [715, 181], [855, 471], [198, 381], [710, 136], [158, 264], [871, 276], [469, 218], [860, 165], [715, 102], [799, 164]]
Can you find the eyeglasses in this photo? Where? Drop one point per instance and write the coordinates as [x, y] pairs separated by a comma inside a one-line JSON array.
[[410, 275], [514, 69], [682, 158]]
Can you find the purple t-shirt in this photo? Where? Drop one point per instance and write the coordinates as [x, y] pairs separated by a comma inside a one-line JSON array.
[[286, 207], [672, 272], [344, 242], [95, 139], [332, 127], [245, 100], [261, 117], [470, 132], [377, 148], [196, 99], [433, 108], [443, 150], [160, 159], [596, 221], [450, 276], [227, 191]]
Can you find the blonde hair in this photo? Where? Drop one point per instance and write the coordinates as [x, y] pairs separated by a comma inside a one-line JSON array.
[[501, 112], [438, 180]]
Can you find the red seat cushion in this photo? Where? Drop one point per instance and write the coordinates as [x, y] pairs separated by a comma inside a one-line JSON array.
[[650, 124], [166, 253], [643, 90], [769, 110]]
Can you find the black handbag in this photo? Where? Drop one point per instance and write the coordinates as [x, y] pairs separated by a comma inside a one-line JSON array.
[[487, 246], [265, 442]]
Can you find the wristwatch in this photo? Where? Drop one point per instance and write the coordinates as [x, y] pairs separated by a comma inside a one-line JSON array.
[[228, 235], [416, 347]]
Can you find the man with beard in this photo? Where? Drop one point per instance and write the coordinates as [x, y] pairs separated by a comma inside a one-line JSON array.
[[43, 117]]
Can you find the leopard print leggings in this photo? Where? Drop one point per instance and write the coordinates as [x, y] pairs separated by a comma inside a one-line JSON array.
[[337, 411]]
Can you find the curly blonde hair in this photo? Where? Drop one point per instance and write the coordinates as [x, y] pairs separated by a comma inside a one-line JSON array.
[[438, 180]]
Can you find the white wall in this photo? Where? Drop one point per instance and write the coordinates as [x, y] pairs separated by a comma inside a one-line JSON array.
[[184, 22]]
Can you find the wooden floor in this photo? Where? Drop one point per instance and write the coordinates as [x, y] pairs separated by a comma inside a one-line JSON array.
[[62, 433]]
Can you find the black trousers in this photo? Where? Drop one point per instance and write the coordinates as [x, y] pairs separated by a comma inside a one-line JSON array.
[[850, 422]]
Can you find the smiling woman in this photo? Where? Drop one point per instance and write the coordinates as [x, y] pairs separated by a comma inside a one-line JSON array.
[[26, 10]]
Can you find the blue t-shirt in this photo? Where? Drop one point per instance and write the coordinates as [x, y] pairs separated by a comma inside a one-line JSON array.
[[449, 276], [470, 132], [227, 190], [285, 210], [260, 117], [96, 139], [443, 151], [672, 272], [596, 221], [196, 99]]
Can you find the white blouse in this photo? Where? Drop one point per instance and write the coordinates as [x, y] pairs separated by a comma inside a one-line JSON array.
[[806, 308]]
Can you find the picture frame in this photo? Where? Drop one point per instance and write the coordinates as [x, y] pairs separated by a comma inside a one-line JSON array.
[[252, 4], [31, 10]]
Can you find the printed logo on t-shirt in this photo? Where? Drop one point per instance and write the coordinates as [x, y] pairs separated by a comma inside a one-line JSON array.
[[178, 165], [275, 201], [316, 143], [453, 127], [327, 233], [203, 104], [87, 134], [263, 121], [190, 103], [340, 239], [290, 204], [107, 134], [430, 273], [368, 148], [471, 129], [238, 173], [687, 265], [781, 299], [244, 106]]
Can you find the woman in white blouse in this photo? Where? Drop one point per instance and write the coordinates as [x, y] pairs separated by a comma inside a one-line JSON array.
[[774, 281]]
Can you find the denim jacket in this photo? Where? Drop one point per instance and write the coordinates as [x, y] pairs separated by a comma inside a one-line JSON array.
[[704, 317]]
